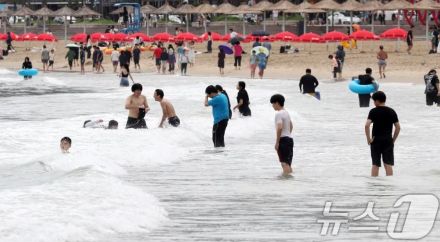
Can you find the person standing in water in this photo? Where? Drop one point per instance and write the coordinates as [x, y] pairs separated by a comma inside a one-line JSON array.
[[65, 144], [125, 73], [242, 100], [137, 107], [382, 57], [308, 83], [27, 64], [283, 127], [220, 89], [220, 112], [137, 57], [382, 140], [168, 111], [432, 88], [367, 79], [45, 58]]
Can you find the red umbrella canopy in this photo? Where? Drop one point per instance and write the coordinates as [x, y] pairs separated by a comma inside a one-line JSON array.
[[186, 36], [142, 36], [335, 36], [249, 38], [363, 35], [214, 36], [286, 36], [120, 37], [46, 37], [109, 36], [269, 38], [80, 37], [395, 33], [98, 37], [310, 37], [13, 36], [163, 37], [27, 37]]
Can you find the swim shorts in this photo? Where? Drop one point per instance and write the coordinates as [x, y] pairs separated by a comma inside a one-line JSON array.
[[285, 150], [157, 62], [174, 121], [135, 123], [124, 82], [382, 63], [382, 148]]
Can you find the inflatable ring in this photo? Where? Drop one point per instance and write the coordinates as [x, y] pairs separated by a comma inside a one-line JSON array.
[[356, 87], [28, 72]]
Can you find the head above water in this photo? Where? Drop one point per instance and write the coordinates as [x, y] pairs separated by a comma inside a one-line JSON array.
[[211, 90], [432, 72], [277, 101], [379, 98], [158, 94], [26, 59], [241, 85], [368, 71], [136, 88], [86, 122], [65, 144], [113, 124]]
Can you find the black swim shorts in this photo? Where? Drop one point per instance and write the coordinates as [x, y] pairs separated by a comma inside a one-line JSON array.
[[382, 148], [174, 121], [285, 150], [134, 123]]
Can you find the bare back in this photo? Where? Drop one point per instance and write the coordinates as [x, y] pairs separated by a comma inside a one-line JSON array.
[[167, 108]]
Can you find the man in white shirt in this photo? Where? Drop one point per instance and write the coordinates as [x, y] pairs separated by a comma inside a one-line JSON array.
[[283, 127]]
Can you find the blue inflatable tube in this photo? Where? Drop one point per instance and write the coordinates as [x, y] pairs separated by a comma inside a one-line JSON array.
[[355, 87], [28, 72]]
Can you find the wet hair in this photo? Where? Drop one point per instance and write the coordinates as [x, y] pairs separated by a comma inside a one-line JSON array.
[[219, 88], [309, 71], [368, 70], [242, 85], [67, 139], [432, 71], [86, 122], [26, 59], [159, 93], [379, 96], [113, 124], [278, 98], [136, 87], [330, 56], [210, 89]]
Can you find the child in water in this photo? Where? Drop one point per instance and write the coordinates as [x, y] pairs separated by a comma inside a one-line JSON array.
[[27, 64], [65, 144]]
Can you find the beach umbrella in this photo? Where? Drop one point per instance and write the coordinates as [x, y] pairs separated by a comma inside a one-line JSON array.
[[227, 49], [13, 36], [372, 6], [214, 36], [27, 37], [286, 36], [96, 37], [244, 9], [304, 8], [120, 10], [80, 37], [262, 6], [148, 9], [64, 12], [186, 9], [164, 37], [310, 37], [282, 6], [395, 33], [83, 12], [249, 38], [142, 36], [397, 5], [261, 50], [109, 37], [44, 12], [120, 37], [351, 5], [4, 14], [166, 9], [205, 8], [335, 36], [225, 8], [363, 35], [46, 37], [186, 36], [426, 5], [23, 12]]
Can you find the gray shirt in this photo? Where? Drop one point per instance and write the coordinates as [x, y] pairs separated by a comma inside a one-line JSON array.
[[283, 117], [45, 55]]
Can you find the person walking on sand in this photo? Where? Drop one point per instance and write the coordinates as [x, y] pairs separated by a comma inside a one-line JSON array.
[[82, 58], [382, 139], [171, 59], [382, 57], [51, 59], [137, 57], [253, 60], [156, 55], [262, 61], [432, 88], [99, 60], [45, 58], [115, 59], [220, 113], [335, 66], [238, 51], [209, 44], [70, 55], [164, 60], [137, 107], [308, 83], [168, 111], [283, 127], [242, 100], [221, 61], [409, 39], [340, 57]]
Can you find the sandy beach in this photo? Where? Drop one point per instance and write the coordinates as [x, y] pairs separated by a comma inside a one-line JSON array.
[[401, 66]]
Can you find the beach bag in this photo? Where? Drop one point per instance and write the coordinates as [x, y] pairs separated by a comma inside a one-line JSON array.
[[430, 88]]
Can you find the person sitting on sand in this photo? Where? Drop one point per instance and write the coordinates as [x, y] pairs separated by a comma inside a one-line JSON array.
[[27, 64], [125, 73], [137, 107], [168, 111], [65, 144], [308, 83], [99, 124]]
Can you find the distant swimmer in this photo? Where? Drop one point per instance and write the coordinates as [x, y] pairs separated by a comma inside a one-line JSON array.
[[242, 99], [220, 112], [99, 124], [308, 83], [167, 110], [138, 107], [382, 140], [65, 144], [367, 79], [283, 127]]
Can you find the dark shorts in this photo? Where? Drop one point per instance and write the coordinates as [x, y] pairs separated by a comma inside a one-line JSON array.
[[174, 121], [245, 111], [44, 61], [136, 61], [50, 63], [285, 150], [157, 62], [134, 123], [382, 148]]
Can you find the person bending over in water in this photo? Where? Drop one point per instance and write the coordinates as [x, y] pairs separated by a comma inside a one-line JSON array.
[[99, 124], [242, 99], [137, 108], [284, 127], [65, 144], [167, 109]]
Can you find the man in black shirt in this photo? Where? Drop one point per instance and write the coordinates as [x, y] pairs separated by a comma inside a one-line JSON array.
[[382, 142], [308, 83], [367, 79], [242, 99]]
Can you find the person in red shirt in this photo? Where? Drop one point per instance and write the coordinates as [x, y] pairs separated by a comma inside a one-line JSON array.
[[156, 55], [238, 51]]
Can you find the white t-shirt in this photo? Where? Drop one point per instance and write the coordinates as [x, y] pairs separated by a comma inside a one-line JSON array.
[[233, 34], [115, 55], [283, 117]]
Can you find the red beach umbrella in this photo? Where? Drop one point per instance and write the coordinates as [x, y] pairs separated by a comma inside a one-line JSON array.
[[27, 37], [109, 37], [5, 36], [46, 37], [286, 36], [80, 37], [395, 33], [363, 35], [335, 36], [143, 36], [186, 36], [97, 37], [165, 37], [120, 37], [214, 36], [310, 38]]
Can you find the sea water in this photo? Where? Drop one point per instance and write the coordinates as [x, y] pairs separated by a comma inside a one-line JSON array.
[[171, 185]]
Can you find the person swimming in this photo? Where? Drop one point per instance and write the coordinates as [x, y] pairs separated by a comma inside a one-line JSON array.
[[65, 144], [99, 124], [167, 109]]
